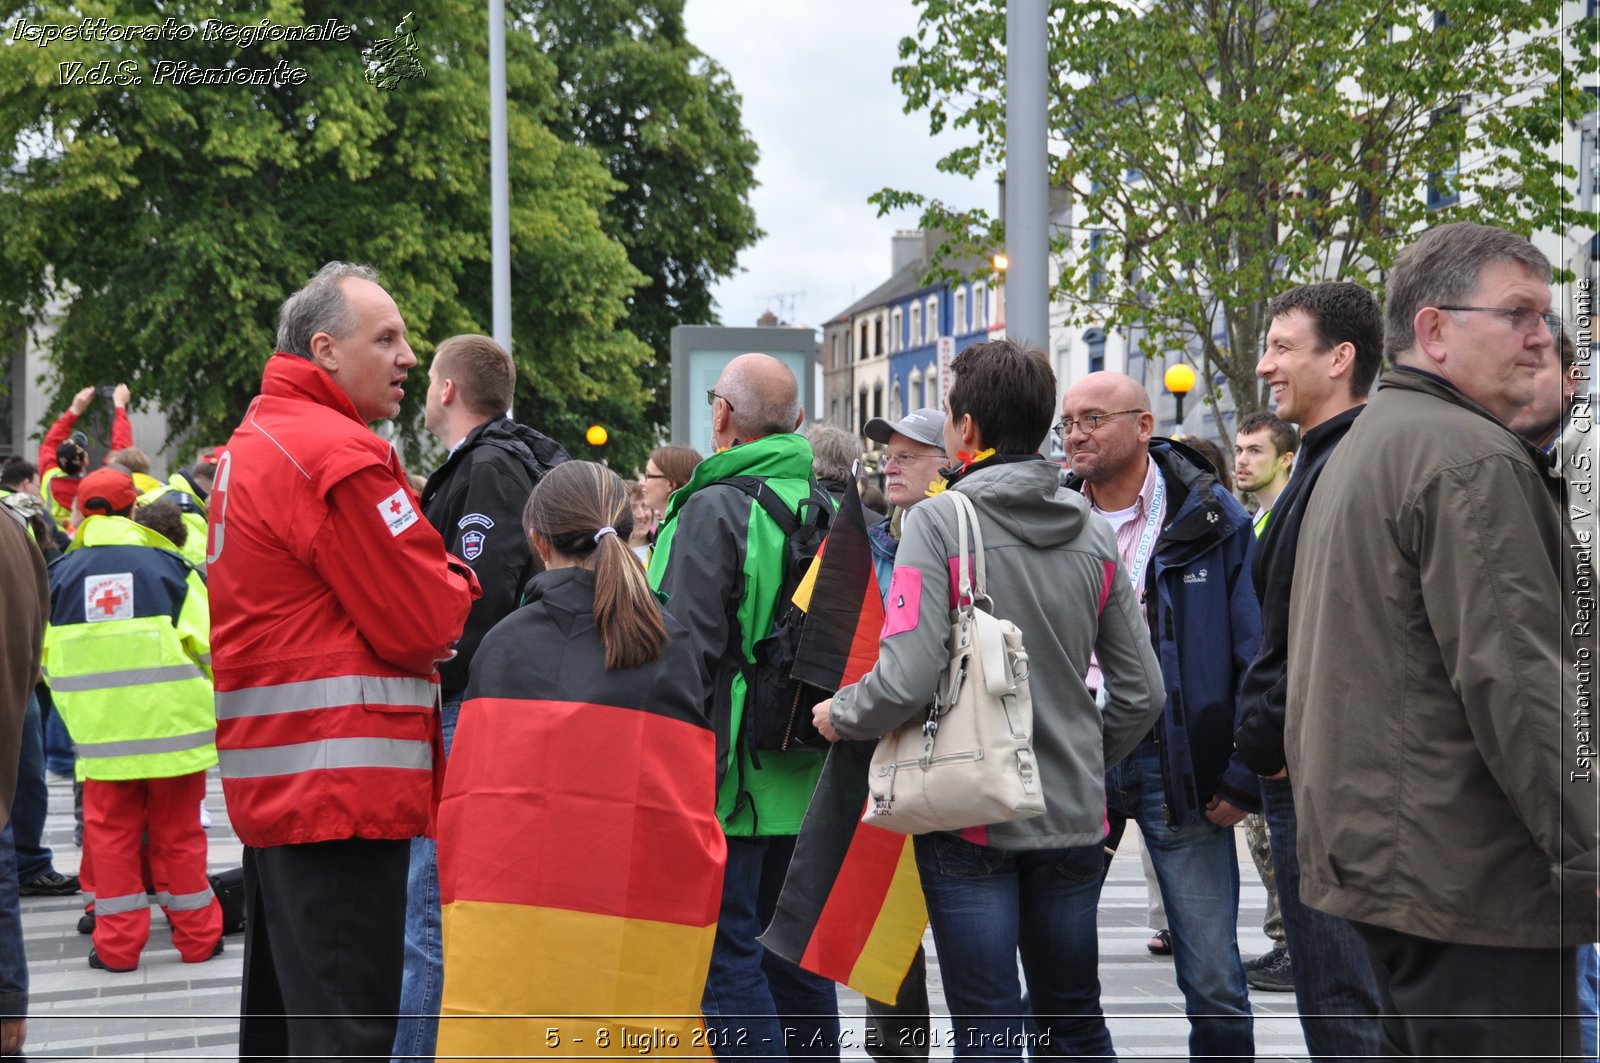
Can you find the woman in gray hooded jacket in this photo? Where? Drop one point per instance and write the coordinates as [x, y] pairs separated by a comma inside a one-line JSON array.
[[1034, 885]]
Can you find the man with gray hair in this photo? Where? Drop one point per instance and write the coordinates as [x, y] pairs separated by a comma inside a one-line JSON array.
[[1444, 806], [721, 560], [332, 603]]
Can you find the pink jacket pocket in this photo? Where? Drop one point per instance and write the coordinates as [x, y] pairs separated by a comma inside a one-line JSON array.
[[904, 603]]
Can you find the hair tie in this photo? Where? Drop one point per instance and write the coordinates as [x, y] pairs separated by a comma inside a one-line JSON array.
[[603, 532]]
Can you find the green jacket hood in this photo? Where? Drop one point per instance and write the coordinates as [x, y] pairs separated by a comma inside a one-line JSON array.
[[785, 455]]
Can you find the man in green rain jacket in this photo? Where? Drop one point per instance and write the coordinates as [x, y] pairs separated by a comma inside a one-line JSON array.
[[719, 561]]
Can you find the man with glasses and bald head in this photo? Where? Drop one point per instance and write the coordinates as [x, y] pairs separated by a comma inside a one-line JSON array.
[[1186, 544]]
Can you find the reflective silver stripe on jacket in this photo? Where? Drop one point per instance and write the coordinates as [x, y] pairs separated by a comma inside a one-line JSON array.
[[181, 902], [135, 746], [331, 692], [117, 905], [329, 754], [125, 677]]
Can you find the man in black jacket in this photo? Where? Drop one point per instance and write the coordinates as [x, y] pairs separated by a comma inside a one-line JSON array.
[[475, 501], [1323, 349]]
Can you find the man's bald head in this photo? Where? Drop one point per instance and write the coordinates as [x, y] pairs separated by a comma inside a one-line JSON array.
[[761, 398], [1119, 390], [1117, 449]]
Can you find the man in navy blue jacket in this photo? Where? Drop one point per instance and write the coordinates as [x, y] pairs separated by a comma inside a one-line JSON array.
[[1186, 544]]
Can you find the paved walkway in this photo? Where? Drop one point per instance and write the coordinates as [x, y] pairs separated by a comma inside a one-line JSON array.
[[171, 1010]]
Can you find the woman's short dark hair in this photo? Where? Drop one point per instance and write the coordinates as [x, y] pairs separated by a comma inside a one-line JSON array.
[[1009, 390]]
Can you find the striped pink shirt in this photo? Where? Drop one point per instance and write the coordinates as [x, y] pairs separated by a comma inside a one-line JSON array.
[[1128, 536]]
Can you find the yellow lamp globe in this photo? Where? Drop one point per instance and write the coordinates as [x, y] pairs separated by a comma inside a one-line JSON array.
[[1180, 379], [597, 435]]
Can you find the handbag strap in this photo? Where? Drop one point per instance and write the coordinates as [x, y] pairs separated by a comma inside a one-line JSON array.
[[970, 566]]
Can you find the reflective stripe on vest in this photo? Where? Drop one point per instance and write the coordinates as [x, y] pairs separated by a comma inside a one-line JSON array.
[[118, 905], [329, 754], [125, 677], [182, 902], [332, 692], [134, 747]]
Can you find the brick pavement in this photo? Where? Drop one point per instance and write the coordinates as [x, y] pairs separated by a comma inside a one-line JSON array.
[[170, 1010]]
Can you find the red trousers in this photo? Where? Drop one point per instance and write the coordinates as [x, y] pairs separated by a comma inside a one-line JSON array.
[[115, 815]]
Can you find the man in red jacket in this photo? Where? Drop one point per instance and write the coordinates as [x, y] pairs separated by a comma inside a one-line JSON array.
[[332, 602], [64, 454]]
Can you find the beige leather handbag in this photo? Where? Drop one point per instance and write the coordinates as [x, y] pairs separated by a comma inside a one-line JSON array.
[[970, 761]]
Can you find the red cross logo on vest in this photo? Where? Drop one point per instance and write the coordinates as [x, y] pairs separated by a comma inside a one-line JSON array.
[[394, 506], [108, 597]]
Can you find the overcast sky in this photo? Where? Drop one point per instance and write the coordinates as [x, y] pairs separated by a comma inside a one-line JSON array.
[[818, 99]]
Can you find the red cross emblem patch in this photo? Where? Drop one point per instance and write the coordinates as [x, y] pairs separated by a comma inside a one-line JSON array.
[[397, 512], [108, 597]]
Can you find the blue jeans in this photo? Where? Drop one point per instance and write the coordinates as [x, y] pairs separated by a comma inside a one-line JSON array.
[[1198, 869], [33, 800], [13, 961], [757, 1003], [1589, 999], [988, 904], [1334, 988], [59, 755], [422, 984]]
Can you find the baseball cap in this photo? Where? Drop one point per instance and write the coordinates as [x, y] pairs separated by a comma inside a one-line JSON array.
[[209, 456], [106, 491], [73, 453], [924, 425]]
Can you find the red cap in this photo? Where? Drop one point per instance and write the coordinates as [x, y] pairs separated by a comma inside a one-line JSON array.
[[210, 455], [106, 491]]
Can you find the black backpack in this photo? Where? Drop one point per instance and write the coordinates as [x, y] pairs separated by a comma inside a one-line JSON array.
[[777, 713]]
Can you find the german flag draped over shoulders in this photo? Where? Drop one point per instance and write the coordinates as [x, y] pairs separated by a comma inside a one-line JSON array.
[[580, 858], [851, 907]]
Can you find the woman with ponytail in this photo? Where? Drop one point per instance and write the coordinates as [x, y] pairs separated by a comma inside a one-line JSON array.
[[580, 858]]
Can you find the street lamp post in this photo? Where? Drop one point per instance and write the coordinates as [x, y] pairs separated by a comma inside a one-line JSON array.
[[1180, 381]]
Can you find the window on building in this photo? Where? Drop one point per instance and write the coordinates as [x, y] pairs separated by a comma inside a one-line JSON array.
[[895, 410], [861, 342], [881, 324], [861, 399], [960, 325], [980, 306], [930, 388], [897, 336], [833, 411], [1444, 184], [916, 325], [930, 320], [914, 390], [1095, 341], [877, 399]]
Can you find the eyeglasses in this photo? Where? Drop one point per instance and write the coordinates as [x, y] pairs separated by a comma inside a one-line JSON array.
[[1522, 319], [712, 397], [1089, 423], [908, 459]]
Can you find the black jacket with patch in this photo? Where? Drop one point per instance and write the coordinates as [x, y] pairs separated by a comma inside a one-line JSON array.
[[475, 501]]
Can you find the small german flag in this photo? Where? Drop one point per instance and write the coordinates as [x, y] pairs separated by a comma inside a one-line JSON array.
[[851, 907], [580, 870]]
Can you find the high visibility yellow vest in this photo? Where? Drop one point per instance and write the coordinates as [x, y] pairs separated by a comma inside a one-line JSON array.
[[194, 517], [127, 654]]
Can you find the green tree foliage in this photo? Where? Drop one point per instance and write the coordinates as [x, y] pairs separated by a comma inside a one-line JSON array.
[[665, 120], [1225, 150], [171, 220]]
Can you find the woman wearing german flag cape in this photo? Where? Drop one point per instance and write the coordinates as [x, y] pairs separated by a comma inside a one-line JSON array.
[[580, 859]]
